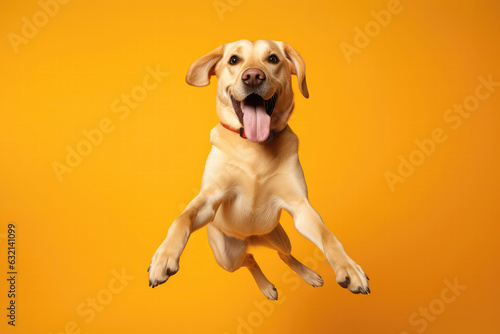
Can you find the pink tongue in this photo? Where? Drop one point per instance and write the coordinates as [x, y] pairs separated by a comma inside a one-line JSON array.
[[256, 122]]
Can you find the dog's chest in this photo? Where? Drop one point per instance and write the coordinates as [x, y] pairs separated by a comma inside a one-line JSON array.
[[253, 178], [253, 208]]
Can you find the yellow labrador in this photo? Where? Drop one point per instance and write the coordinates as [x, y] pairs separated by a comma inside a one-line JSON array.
[[253, 171]]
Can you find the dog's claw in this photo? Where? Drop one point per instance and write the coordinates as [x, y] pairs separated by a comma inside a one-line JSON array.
[[361, 291], [155, 283]]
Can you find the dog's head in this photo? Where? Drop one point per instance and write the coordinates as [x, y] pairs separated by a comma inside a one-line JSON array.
[[254, 88]]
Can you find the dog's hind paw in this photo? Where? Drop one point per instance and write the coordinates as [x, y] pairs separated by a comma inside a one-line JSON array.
[[313, 279], [270, 292]]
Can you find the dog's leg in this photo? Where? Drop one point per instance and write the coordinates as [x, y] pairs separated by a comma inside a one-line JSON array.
[[198, 213], [278, 240], [307, 274], [308, 222], [265, 286], [231, 254]]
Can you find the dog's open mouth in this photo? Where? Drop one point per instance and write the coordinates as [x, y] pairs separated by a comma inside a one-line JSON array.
[[255, 114]]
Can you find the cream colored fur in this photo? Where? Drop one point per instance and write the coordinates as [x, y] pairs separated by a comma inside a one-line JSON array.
[[246, 185]]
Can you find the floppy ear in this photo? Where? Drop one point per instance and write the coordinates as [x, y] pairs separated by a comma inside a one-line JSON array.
[[299, 68], [203, 68]]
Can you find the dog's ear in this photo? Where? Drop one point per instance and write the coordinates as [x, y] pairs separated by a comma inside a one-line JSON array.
[[203, 68], [298, 68]]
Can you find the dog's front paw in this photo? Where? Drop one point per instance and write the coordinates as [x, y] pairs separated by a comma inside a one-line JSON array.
[[162, 267], [350, 276]]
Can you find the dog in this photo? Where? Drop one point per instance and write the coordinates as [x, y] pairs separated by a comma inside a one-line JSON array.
[[253, 171]]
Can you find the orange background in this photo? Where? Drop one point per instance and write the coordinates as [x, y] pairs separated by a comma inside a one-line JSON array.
[[113, 210]]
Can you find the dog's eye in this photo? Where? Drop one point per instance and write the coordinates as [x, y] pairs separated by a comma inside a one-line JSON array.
[[233, 60], [273, 59]]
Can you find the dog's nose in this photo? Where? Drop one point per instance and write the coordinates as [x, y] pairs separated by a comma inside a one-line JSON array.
[[253, 76]]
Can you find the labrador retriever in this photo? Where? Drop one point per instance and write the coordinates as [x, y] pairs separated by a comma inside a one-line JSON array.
[[253, 171]]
